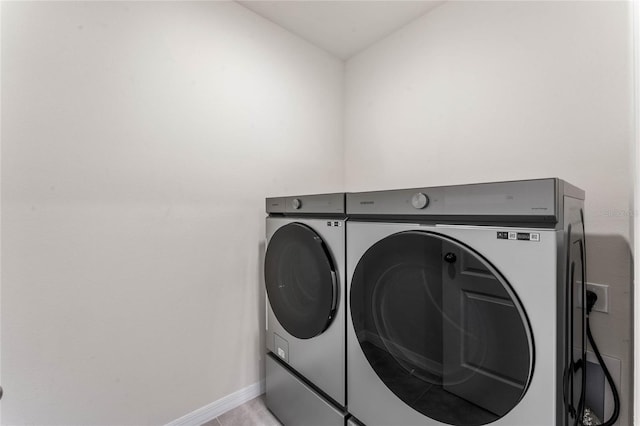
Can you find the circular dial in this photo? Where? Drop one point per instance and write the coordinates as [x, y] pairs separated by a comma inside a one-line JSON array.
[[419, 200], [296, 203]]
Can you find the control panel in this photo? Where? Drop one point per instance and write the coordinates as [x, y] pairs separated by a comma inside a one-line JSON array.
[[330, 204], [528, 198], [521, 236]]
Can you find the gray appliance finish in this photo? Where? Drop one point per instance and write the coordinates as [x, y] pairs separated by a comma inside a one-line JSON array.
[[464, 304], [351, 421], [294, 402], [305, 286]]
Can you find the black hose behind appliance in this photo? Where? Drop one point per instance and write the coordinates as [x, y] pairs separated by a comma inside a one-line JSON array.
[[591, 301]]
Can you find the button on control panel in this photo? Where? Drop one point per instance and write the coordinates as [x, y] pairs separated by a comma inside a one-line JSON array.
[[419, 200], [521, 236]]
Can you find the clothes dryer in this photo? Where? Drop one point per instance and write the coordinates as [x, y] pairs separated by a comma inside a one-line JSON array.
[[304, 275], [465, 305]]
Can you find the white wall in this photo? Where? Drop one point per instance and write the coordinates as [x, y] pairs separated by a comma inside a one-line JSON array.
[[636, 217], [138, 143], [484, 91]]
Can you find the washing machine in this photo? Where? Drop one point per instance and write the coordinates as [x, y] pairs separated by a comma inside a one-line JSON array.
[[304, 274], [465, 305]]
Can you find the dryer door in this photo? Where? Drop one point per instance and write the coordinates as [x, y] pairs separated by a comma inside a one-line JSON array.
[[300, 280], [441, 328]]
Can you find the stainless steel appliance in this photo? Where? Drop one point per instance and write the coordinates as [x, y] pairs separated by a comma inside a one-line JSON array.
[[305, 283], [465, 304]]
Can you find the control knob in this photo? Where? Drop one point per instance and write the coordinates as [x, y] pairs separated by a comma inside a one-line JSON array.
[[296, 203], [419, 200]]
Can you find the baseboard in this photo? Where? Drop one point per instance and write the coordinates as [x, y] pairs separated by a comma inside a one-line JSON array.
[[219, 407]]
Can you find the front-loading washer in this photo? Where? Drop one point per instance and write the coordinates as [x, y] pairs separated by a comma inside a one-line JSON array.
[[465, 305], [304, 274]]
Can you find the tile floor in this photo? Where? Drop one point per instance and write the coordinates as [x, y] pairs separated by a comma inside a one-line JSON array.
[[252, 413]]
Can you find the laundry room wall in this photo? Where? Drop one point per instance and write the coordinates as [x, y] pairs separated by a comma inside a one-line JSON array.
[[490, 91], [139, 140]]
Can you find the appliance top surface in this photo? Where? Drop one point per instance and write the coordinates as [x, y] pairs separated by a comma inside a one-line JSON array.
[[562, 186], [528, 201], [320, 204]]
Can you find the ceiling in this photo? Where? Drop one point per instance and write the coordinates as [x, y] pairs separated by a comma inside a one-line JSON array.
[[342, 28]]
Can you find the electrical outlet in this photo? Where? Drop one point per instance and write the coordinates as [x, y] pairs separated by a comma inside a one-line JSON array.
[[602, 291]]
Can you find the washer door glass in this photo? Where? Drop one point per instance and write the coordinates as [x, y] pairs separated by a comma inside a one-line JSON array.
[[441, 328], [301, 280]]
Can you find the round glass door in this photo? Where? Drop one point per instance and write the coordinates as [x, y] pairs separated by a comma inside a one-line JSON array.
[[300, 280], [441, 328]]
